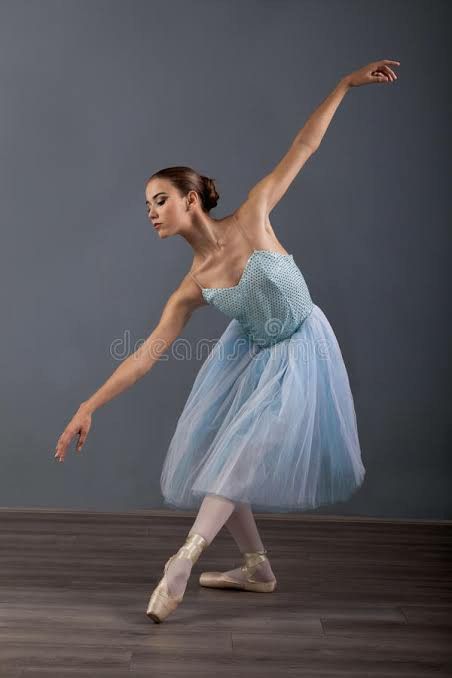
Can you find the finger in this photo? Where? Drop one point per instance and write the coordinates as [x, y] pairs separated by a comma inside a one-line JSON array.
[[61, 441], [65, 440], [385, 70], [392, 73], [82, 437], [388, 61], [61, 449], [382, 74]]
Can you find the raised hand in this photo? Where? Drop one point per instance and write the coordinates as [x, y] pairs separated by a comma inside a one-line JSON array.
[[80, 425], [376, 71]]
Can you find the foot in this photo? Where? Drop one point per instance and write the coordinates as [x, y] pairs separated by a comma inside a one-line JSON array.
[[177, 576], [170, 590], [262, 573]]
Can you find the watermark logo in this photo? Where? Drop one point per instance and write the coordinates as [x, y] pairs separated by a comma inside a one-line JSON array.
[[233, 344]]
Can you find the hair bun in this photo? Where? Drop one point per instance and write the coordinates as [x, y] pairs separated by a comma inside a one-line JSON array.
[[211, 195]]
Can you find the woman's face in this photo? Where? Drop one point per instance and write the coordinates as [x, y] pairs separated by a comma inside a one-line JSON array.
[[165, 207]]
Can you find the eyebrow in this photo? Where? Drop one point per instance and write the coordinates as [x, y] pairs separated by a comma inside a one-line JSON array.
[[154, 196]]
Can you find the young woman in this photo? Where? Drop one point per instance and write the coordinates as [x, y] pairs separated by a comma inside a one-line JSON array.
[[270, 419]]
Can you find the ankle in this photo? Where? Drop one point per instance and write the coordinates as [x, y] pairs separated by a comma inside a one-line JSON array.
[[193, 547], [257, 565]]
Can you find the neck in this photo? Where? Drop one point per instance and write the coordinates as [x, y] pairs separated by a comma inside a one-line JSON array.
[[204, 234]]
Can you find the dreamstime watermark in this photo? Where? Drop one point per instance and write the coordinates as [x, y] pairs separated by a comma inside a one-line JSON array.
[[227, 347]]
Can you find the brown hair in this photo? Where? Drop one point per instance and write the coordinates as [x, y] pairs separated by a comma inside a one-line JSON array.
[[186, 179]]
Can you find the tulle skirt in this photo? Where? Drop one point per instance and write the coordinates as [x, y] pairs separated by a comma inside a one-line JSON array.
[[271, 426]]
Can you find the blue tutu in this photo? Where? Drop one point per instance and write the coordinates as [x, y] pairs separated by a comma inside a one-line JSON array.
[[275, 427], [270, 418]]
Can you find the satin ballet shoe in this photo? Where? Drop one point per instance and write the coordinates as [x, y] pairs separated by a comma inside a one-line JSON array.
[[219, 580], [161, 603]]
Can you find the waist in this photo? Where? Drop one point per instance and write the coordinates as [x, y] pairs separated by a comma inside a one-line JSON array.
[[271, 330]]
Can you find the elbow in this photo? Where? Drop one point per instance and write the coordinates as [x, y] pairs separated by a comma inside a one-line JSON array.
[[310, 145]]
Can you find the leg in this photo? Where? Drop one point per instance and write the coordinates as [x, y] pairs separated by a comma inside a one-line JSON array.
[[212, 515], [243, 528]]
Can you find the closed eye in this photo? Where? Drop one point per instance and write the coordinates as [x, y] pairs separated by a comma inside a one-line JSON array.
[[159, 203]]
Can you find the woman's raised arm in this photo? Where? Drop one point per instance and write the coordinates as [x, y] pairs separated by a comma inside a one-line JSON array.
[[271, 188]]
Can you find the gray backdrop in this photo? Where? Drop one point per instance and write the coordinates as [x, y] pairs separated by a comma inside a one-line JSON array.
[[95, 97]]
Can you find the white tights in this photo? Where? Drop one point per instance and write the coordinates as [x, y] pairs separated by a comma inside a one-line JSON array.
[[214, 512]]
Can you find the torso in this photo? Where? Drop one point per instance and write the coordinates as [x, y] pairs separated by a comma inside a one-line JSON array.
[[224, 267]]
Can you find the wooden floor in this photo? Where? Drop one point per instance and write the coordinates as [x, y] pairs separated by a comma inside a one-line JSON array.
[[355, 598]]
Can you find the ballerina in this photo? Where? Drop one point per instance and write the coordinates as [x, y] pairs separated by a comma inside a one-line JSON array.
[[270, 420]]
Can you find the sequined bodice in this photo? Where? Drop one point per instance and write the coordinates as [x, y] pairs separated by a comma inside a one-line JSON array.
[[271, 299]]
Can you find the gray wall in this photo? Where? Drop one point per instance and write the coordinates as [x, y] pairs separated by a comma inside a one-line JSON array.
[[95, 96]]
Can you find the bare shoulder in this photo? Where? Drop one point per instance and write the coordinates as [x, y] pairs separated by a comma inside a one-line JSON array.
[[253, 216]]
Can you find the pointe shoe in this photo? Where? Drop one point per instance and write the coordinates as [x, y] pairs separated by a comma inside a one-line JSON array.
[[219, 580], [161, 603]]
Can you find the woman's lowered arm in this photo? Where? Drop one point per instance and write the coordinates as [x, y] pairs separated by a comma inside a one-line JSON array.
[[176, 313], [175, 316]]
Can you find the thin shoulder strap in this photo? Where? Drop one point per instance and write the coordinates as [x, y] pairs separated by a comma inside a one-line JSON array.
[[196, 280], [244, 235]]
